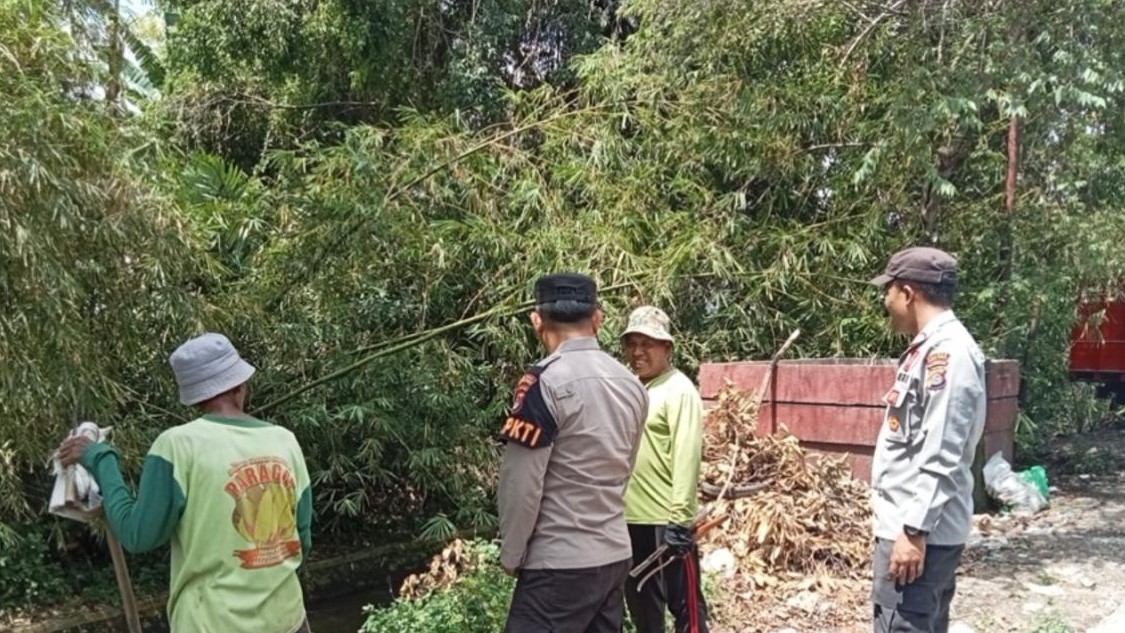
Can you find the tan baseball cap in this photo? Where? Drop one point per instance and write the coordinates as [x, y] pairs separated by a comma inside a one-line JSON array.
[[922, 264], [650, 321]]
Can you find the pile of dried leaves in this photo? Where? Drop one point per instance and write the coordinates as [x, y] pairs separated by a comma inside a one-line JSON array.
[[445, 568], [798, 523]]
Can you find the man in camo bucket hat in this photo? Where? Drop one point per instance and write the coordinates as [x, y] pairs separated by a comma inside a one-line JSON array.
[[229, 491], [661, 500]]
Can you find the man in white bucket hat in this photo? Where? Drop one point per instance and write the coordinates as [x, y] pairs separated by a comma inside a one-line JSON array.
[[229, 491]]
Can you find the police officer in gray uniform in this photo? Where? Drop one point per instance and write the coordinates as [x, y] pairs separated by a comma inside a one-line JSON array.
[[571, 436], [921, 479]]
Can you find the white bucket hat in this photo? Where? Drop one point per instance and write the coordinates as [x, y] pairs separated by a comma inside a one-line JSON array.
[[208, 366], [651, 322]]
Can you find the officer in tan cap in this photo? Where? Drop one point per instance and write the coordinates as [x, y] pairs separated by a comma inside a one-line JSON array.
[[662, 500], [921, 479], [571, 438]]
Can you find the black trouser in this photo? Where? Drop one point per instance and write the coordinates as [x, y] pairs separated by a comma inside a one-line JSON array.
[[923, 605], [677, 587], [587, 600]]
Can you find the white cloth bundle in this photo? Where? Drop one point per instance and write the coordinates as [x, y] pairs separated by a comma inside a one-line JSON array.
[[76, 495]]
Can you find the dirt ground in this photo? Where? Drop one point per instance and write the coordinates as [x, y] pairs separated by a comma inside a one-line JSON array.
[[1063, 568], [1060, 571]]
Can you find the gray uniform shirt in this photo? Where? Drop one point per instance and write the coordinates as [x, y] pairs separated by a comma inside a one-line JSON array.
[[571, 440], [921, 475]]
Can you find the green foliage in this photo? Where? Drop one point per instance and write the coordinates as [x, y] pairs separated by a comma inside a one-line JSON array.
[[319, 179], [251, 75], [1050, 623], [30, 573], [88, 254], [476, 603], [35, 574]]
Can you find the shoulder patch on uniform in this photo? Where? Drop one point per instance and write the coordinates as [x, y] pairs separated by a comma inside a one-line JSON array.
[[935, 380], [530, 422], [936, 366], [891, 399], [935, 359], [526, 382]]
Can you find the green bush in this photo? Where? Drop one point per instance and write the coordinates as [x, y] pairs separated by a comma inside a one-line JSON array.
[[35, 573], [476, 603], [30, 573]]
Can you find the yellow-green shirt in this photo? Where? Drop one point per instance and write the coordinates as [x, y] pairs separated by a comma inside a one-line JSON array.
[[233, 497], [664, 484]]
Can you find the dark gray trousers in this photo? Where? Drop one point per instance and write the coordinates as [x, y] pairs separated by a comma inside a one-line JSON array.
[[678, 588], [923, 605], [589, 600]]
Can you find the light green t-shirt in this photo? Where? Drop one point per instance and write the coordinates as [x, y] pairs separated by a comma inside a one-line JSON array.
[[664, 485], [233, 496]]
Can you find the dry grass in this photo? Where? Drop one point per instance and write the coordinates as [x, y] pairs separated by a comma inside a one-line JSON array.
[[445, 568], [806, 531]]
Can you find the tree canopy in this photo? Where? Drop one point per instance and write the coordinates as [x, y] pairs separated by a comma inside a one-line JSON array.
[[327, 182]]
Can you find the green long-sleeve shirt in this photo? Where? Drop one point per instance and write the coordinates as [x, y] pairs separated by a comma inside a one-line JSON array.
[[233, 497], [664, 485]]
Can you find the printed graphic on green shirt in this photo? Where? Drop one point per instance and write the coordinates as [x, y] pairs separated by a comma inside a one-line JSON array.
[[265, 511]]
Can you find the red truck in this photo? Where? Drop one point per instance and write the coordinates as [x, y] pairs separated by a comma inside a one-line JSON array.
[[1097, 346]]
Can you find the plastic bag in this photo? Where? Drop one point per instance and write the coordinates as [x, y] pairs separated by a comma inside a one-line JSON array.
[[1020, 492], [1038, 476]]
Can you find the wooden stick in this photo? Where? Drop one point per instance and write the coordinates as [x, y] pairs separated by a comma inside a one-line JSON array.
[[760, 396], [124, 585]]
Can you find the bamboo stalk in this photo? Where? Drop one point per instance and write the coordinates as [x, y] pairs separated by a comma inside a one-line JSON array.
[[386, 351], [402, 343], [426, 334]]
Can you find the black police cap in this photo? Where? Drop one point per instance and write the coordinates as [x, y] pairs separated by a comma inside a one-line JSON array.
[[559, 287]]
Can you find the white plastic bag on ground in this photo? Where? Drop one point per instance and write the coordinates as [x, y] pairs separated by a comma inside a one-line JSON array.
[[76, 495], [720, 561], [1010, 489]]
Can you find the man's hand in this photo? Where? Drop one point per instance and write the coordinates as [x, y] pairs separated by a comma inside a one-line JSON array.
[[70, 451], [678, 539], [908, 558], [514, 572]]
